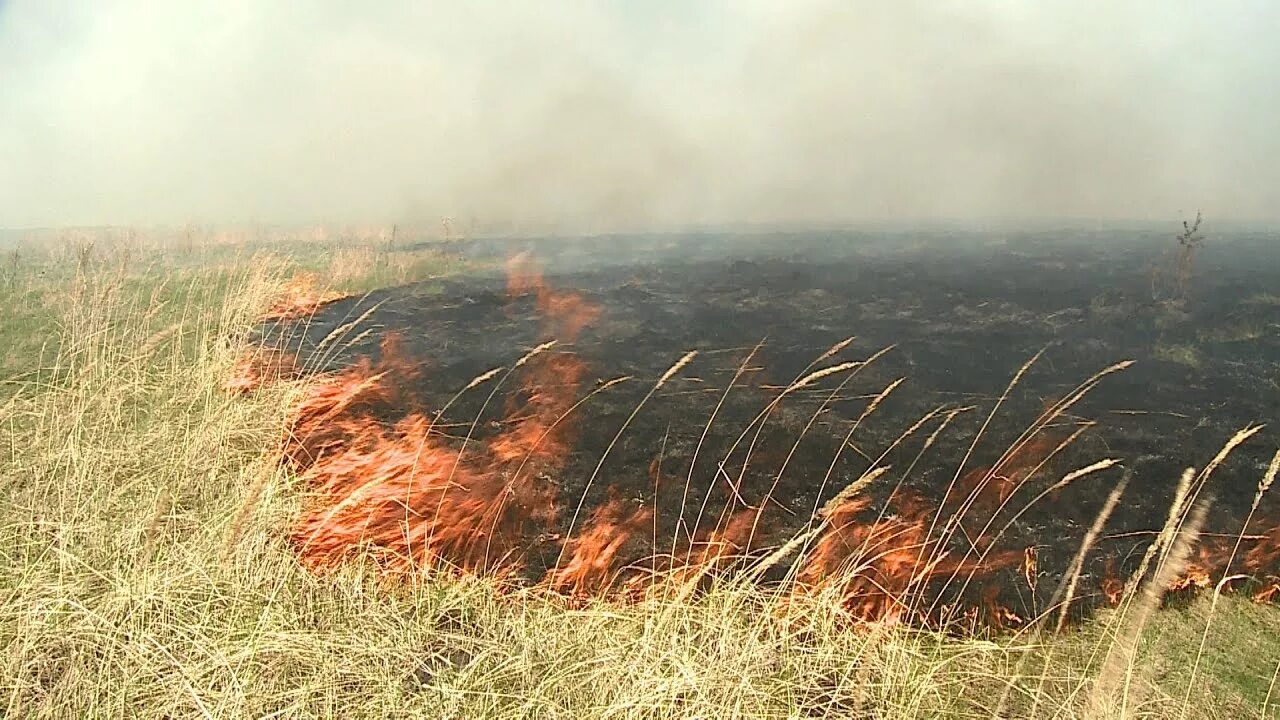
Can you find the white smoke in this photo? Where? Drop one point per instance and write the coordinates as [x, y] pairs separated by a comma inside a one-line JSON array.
[[611, 115]]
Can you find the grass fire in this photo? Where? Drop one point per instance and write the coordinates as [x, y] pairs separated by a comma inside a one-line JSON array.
[[639, 360], [854, 480], [550, 468]]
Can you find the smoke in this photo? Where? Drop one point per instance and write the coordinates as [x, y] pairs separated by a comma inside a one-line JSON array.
[[621, 115]]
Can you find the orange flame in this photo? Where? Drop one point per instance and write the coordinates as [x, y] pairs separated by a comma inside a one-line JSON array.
[[1112, 585], [1262, 559], [566, 313], [1218, 557], [877, 565], [989, 487], [405, 492], [409, 492], [300, 296], [593, 553], [1269, 592], [341, 409]]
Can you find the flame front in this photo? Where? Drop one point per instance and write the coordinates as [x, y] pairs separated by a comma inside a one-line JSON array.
[[420, 497]]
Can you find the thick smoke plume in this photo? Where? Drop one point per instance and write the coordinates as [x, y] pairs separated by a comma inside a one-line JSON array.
[[625, 115]]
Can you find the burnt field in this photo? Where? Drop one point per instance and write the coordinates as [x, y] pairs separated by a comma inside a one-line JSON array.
[[592, 462]]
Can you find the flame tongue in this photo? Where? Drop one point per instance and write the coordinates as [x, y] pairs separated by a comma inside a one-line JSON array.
[[593, 554], [415, 495], [299, 297], [881, 566]]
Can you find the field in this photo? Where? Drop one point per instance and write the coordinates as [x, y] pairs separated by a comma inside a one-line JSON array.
[[161, 560]]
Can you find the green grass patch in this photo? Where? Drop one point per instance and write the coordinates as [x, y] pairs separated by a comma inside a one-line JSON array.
[[1182, 354]]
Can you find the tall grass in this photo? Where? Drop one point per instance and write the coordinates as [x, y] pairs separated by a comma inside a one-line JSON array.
[[144, 573]]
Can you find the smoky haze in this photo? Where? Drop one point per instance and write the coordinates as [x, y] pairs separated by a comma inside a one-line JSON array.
[[636, 115]]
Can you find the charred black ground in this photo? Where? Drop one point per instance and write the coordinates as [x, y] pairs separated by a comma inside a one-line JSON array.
[[963, 312]]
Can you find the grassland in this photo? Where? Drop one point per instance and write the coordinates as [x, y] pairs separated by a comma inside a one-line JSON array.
[[144, 572]]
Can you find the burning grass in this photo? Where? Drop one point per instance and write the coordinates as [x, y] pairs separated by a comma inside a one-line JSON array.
[[148, 571], [426, 492], [299, 297]]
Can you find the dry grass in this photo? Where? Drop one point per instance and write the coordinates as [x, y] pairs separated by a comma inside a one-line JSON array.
[[144, 574]]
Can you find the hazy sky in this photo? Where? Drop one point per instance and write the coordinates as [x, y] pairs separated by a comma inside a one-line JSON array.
[[636, 113]]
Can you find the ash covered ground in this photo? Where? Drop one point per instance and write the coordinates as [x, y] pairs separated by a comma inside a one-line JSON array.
[[961, 313]]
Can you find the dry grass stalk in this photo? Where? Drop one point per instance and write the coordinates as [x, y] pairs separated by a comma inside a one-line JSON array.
[[836, 349], [341, 331], [252, 497], [480, 379], [1077, 564], [852, 489], [1117, 671], [946, 421], [784, 551], [535, 352], [680, 365], [879, 398], [817, 375], [150, 344], [1175, 511], [1235, 441], [1265, 484], [156, 522], [1081, 472], [800, 540], [1272, 470]]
